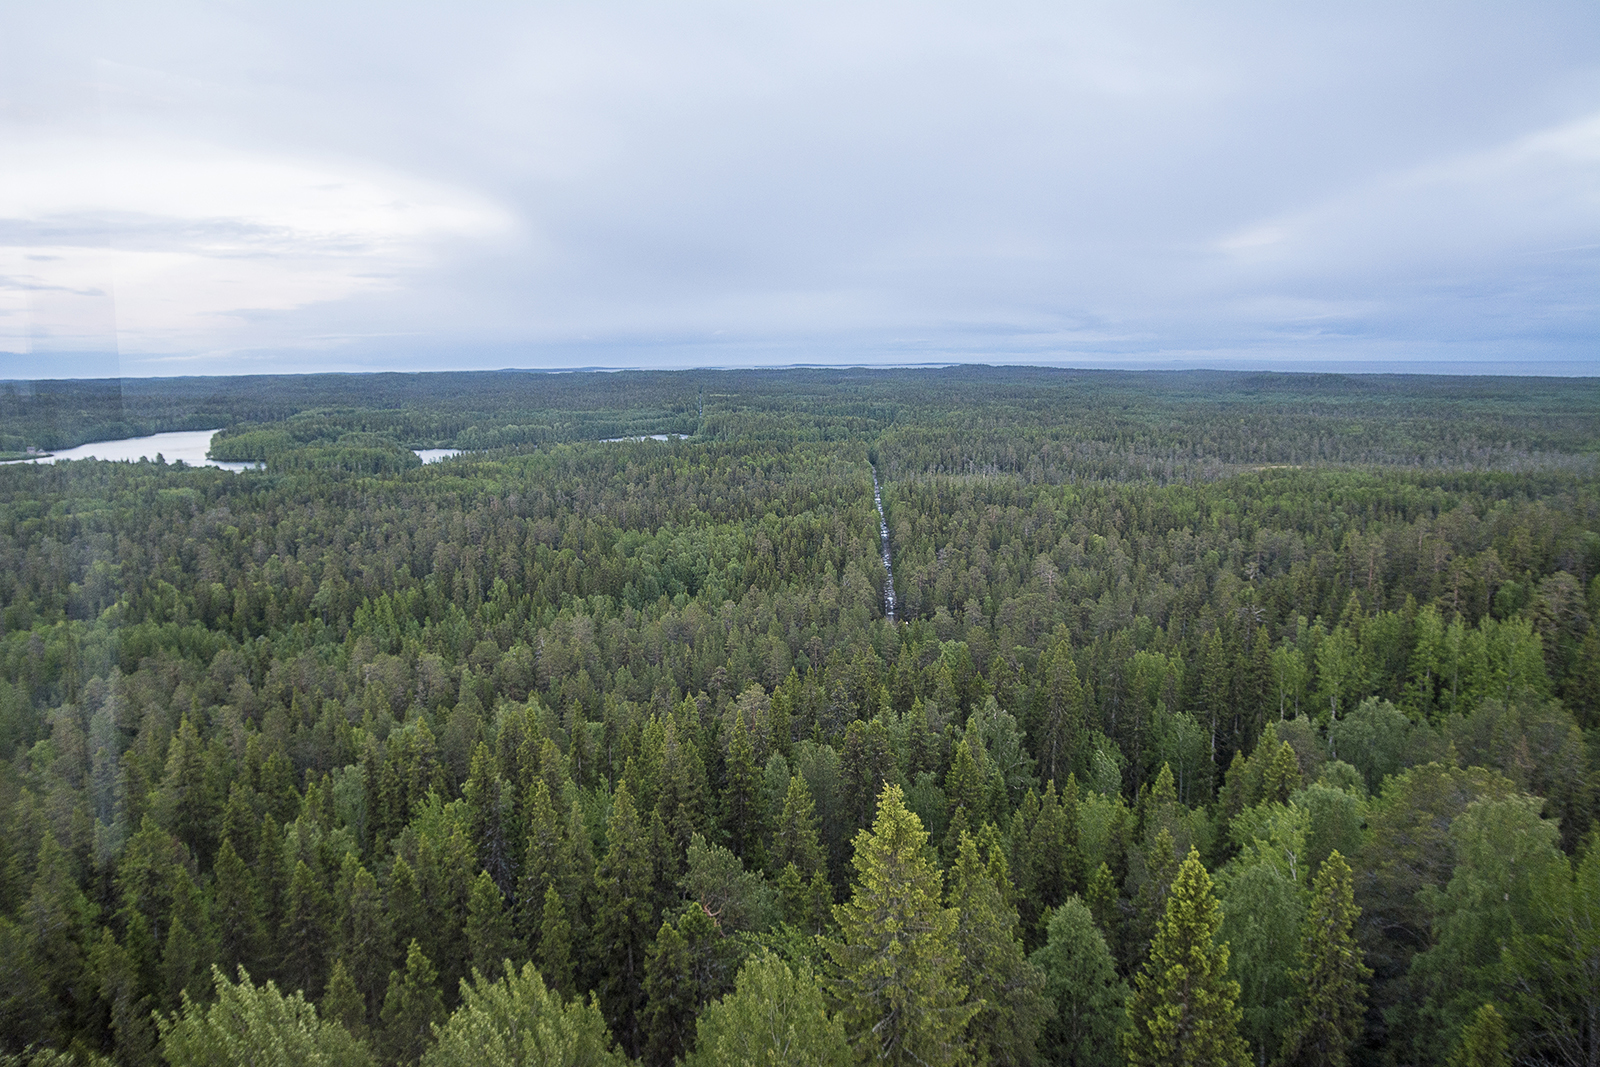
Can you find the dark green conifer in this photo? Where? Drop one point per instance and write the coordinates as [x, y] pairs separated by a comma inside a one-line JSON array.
[[306, 933], [1331, 979], [624, 922], [489, 938], [363, 938], [236, 908], [411, 1008], [994, 968], [554, 954]]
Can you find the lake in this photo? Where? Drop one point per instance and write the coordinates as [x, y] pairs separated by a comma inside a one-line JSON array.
[[188, 445]]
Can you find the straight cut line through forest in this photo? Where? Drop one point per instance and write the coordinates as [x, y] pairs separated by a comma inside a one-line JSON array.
[[883, 538]]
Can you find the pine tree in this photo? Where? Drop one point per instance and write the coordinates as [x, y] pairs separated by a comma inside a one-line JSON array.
[[1184, 1010], [1484, 1041], [411, 1008], [896, 962], [1331, 979], [247, 1023], [514, 1018], [775, 1015]]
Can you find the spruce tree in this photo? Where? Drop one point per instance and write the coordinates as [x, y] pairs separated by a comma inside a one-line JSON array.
[[1061, 714], [547, 859], [411, 1008], [994, 968], [342, 1002], [483, 792], [896, 961], [489, 939], [1331, 979], [625, 918], [307, 924], [362, 937], [688, 966], [1184, 1010], [555, 944], [236, 908], [795, 840], [742, 815], [408, 915]]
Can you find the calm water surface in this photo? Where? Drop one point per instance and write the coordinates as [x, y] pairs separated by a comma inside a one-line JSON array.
[[188, 445]]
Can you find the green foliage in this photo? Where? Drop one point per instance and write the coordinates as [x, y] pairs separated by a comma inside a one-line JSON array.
[[896, 960], [996, 974], [412, 1008], [1184, 1008], [1263, 911], [251, 1024], [1553, 967], [1330, 981], [1484, 1041], [284, 719], [1507, 868], [776, 1014], [1081, 982], [516, 1019], [623, 924]]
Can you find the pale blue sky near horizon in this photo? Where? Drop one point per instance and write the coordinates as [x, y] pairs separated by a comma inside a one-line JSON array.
[[261, 188]]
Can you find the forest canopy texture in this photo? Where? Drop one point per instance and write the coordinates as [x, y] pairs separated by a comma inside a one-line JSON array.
[[1216, 719]]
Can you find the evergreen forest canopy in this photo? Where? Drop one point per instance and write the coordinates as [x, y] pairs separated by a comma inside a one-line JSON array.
[[1223, 718]]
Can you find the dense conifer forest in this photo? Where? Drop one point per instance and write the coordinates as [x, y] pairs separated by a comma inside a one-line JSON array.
[[1222, 719]]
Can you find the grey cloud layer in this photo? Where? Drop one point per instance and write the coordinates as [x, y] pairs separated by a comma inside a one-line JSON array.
[[747, 183]]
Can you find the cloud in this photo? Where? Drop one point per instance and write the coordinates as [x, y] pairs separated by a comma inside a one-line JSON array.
[[191, 241], [262, 185]]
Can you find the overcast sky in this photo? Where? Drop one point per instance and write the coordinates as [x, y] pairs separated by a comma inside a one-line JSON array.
[[246, 188]]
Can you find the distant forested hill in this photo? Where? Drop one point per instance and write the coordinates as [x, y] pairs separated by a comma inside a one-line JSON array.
[[1303, 665]]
